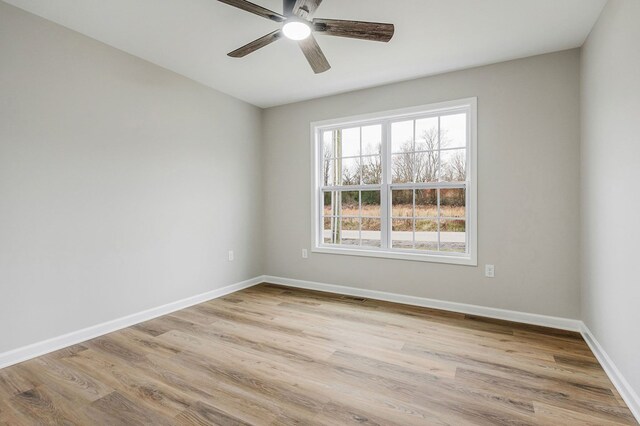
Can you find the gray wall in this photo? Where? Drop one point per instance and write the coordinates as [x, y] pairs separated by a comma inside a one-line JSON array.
[[122, 185], [610, 175], [529, 130]]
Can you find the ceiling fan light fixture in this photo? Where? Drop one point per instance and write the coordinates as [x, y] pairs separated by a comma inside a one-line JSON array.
[[298, 24], [296, 30]]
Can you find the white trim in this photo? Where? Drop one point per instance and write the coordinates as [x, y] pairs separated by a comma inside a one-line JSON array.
[[503, 314], [472, 170], [46, 346], [385, 118], [625, 390], [419, 111], [433, 257]]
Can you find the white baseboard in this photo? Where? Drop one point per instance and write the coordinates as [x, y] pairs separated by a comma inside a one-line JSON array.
[[41, 348], [625, 390], [503, 314]]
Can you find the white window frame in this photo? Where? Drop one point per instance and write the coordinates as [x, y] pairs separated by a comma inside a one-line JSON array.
[[385, 118]]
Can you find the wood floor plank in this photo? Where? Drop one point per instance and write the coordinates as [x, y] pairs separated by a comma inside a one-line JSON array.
[[205, 414], [13, 381], [553, 415], [547, 373], [43, 406], [319, 378], [117, 409], [603, 410], [135, 384], [330, 331], [246, 404], [67, 381], [448, 388], [273, 355]]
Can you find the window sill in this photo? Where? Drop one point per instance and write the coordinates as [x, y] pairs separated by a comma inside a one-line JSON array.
[[467, 260]]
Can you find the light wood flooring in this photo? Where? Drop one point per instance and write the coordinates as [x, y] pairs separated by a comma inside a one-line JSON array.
[[275, 355]]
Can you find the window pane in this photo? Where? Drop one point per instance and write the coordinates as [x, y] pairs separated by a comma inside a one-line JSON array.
[[350, 171], [328, 172], [350, 142], [426, 235], [350, 203], [453, 202], [453, 165], [329, 230], [453, 236], [402, 233], [403, 167], [372, 140], [402, 136], [370, 203], [426, 166], [427, 134], [327, 145], [350, 231], [453, 131], [330, 207], [402, 203], [371, 232], [427, 203], [371, 170]]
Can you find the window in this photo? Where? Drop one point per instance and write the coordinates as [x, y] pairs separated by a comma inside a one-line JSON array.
[[400, 184]]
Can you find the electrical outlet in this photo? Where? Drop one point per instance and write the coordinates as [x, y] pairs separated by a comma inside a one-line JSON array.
[[305, 254], [231, 256], [489, 271]]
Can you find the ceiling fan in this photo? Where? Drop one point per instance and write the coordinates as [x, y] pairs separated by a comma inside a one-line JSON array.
[[299, 24]]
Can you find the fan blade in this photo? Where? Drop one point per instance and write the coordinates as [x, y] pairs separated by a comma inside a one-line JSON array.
[[288, 7], [256, 44], [306, 8], [314, 55], [373, 31], [254, 8]]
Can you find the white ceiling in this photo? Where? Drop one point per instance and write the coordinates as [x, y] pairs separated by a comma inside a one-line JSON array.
[[192, 38]]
